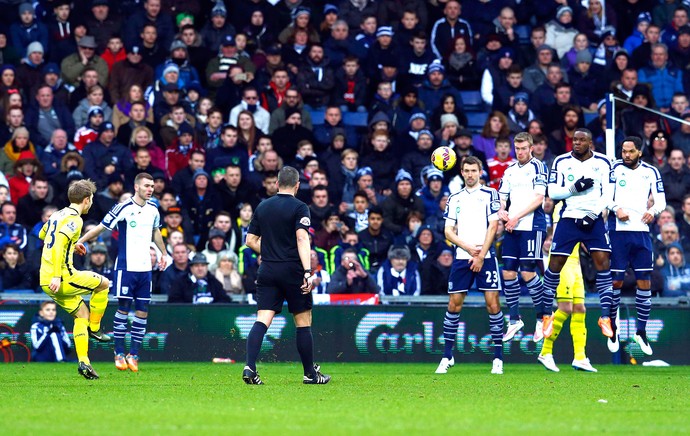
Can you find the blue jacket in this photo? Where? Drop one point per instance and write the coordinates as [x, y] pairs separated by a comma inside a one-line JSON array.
[[665, 82], [49, 340], [389, 285], [51, 159], [633, 41], [431, 97], [63, 115], [22, 36], [431, 202], [7, 232]]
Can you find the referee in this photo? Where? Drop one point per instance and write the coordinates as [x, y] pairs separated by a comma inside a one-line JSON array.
[[279, 231]]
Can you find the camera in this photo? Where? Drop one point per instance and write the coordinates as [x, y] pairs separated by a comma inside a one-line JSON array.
[[351, 265]]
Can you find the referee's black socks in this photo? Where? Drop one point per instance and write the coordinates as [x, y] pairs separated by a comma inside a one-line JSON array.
[[254, 340], [305, 347]]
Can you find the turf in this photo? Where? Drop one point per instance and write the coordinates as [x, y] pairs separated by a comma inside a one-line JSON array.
[[199, 398]]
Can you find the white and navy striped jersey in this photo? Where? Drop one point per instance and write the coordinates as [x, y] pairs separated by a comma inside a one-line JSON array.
[[471, 211], [135, 225], [566, 170], [519, 185], [631, 193]]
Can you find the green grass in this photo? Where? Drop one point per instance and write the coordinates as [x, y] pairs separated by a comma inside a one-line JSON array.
[[200, 398]]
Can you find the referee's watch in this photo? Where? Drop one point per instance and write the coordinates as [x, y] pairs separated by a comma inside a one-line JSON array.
[[308, 272]]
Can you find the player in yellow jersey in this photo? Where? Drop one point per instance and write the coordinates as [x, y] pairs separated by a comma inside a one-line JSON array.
[[570, 296], [64, 283]]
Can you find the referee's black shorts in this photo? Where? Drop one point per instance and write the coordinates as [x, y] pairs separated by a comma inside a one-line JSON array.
[[280, 281]]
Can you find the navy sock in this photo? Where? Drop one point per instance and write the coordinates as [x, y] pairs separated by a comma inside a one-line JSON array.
[[496, 324], [536, 291], [512, 293], [305, 348], [138, 332], [254, 340], [551, 281], [604, 284], [643, 304], [120, 331], [615, 304], [450, 331]]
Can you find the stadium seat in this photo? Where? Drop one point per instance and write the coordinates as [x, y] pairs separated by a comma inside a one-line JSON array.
[[476, 120], [317, 116], [523, 34], [590, 116], [472, 101], [357, 119]]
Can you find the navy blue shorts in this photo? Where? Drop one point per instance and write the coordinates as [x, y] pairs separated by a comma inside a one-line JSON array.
[[461, 276], [133, 285], [522, 249], [278, 282], [632, 249], [568, 234]]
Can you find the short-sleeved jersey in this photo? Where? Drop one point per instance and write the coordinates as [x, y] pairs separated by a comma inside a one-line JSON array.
[[633, 187], [135, 225], [59, 234], [276, 220], [566, 170], [471, 211], [520, 184]]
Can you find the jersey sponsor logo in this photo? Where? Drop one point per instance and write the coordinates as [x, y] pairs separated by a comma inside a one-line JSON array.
[[660, 186], [622, 183], [457, 209], [305, 221], [552, 177], [571, 177], [132, 224]]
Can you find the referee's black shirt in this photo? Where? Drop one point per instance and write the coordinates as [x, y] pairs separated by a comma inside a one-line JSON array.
[[276, 220]]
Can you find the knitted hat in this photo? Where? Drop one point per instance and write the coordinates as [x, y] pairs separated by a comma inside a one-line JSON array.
[[384, 31], [562, 10], [403, 175], [644, 17], [34, 47], [399, 252], [435, 66], [417, 116], [521, 96], [26, 7], [425, 132], [434, 174], [583, 56], [95, 110], [170, 68], [330, 9], [177, 44], [185, 128], [449, 118]]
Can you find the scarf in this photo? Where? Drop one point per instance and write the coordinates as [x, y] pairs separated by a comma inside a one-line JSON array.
[[459, 60], [349, 187], [359, 4]]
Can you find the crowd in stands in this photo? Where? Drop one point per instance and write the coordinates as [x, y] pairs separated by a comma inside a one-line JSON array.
[[212, 98]]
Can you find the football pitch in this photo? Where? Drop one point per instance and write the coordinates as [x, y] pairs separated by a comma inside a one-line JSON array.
[[203, 398]]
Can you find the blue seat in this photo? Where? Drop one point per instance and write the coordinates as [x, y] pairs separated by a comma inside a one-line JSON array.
[[472, 100], [356, 119], [317, 117], [590, 116], [523, 34], [476, 120]]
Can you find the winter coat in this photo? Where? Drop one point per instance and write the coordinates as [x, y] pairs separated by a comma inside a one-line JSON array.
[[49, 340]]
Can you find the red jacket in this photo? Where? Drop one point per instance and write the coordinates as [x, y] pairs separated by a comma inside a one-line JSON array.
[[175, 160], [111, 58], [19, 187]]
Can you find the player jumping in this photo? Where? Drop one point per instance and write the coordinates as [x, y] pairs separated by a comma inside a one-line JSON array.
[[630, 240], [524, 186], [583, 180], [65, 284]]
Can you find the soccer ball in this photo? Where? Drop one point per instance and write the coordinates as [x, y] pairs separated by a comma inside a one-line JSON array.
[[444, 158]]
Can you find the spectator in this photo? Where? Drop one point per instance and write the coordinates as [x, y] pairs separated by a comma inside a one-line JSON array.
[[400, 203], [681, 138], [215, 246], [350, 277], [535, 74], [545, 95], [415, 161], [676, 177], [560, 31], [461, 65], [18, 144], [350, 91], [49, 339], [54, 152], [202, 203], [669, 35], [127, 73], [382, 159], [176, 272], [446, 28], [47, 115], [332, 126], [561, 140], [225, 270], [683, 218], [88, 132], [106, 156], [95, 97], [664, 79], [142, 163], [320, 206], [30, 206], [98, 261], [593, 20], [28, 30], [142, 138], [435, 87], [151, 14], [585, 82], [520, 115], [435, 272], [250, 102], [315, 79], [25, 169], [580, 42], [198, 287], [331, 232], [73, 65], [14, 271], [676, 272], [217, 28], [11, 232], [496, 126], [632, 42], [398, 276], [502, 159], [31, 68]]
